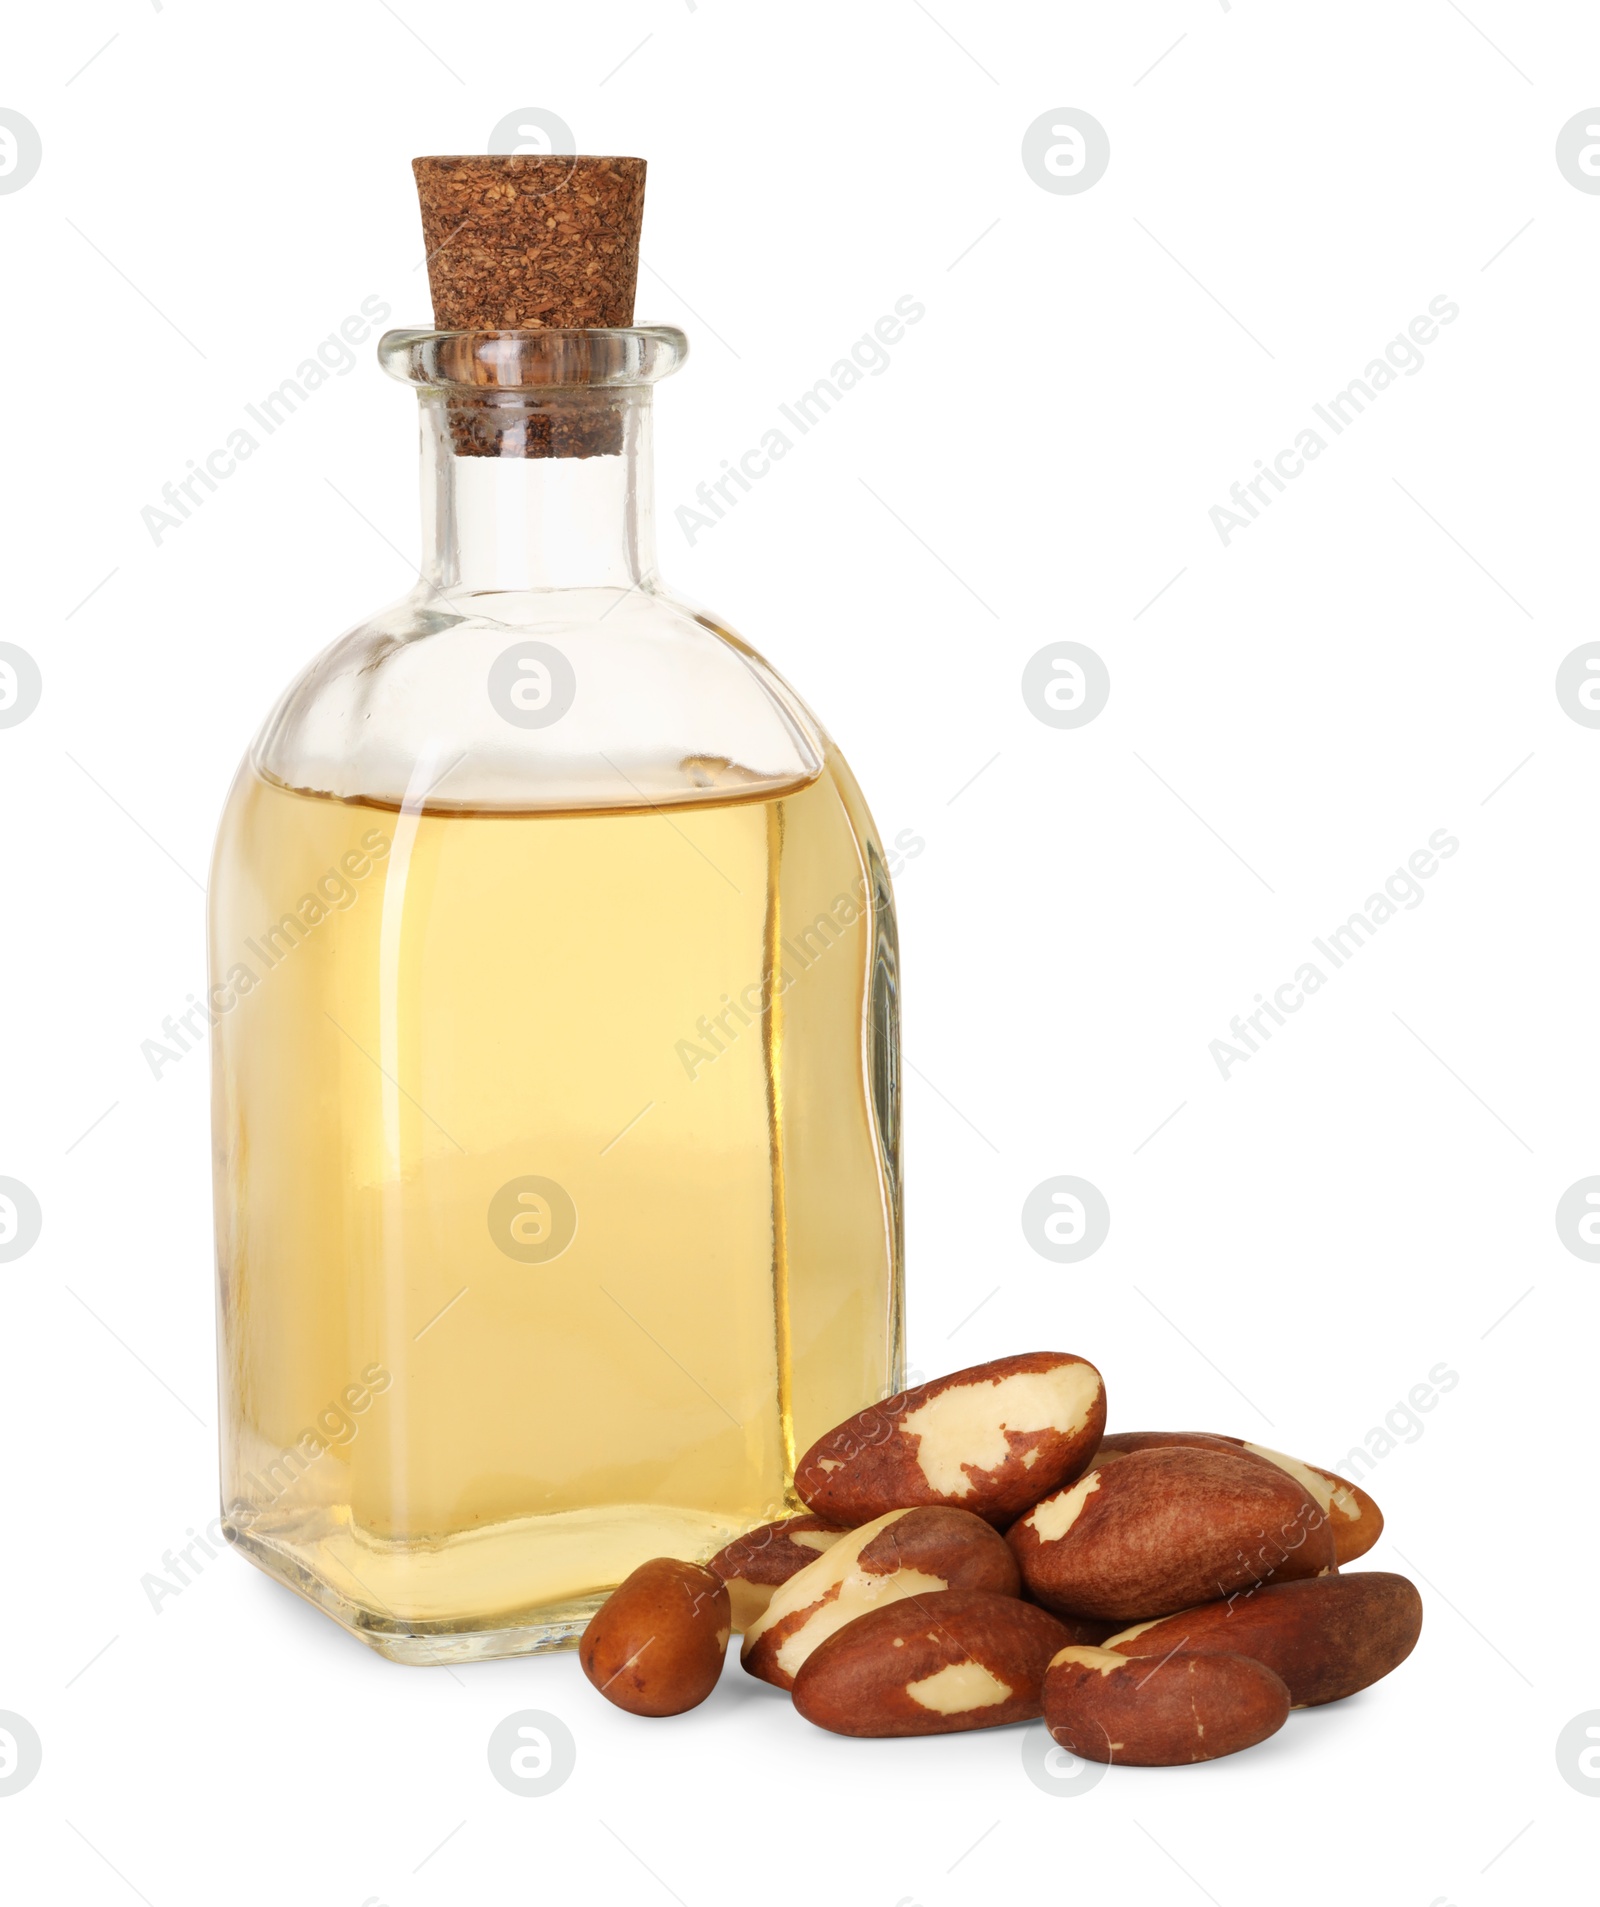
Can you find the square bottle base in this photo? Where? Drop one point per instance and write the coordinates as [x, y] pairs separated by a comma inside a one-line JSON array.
[[423, 1644]]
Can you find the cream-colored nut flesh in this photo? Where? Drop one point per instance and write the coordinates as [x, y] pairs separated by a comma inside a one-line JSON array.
[[857, 1594], [1101, 1659], [1138, 1629], [959, 1688], [841, 1589], [1052, 1519], [815, 1539], [965, 1426], [1323, 1491], [812, 1583]]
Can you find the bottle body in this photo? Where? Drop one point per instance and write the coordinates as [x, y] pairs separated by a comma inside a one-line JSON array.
[[556, 1149]]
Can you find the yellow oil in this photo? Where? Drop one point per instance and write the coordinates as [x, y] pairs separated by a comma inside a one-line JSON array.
[[555, 1190]]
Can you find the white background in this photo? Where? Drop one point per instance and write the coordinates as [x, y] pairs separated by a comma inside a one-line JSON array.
[[1291, 716]]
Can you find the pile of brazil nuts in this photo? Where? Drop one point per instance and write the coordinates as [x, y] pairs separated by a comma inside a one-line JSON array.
[[979, 1552]]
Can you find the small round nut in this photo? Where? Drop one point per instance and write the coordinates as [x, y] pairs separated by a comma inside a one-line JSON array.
[[655, 1646]]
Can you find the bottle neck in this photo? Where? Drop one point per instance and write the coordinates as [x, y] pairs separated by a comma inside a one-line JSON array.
[[513, 523]]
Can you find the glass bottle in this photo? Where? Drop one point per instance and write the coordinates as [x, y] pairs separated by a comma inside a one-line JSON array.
[[553, 983]]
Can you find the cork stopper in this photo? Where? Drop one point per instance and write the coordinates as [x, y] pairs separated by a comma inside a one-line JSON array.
[[525, 242], [529, 241]]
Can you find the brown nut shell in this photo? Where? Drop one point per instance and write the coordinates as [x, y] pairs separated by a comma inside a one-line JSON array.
[[1090, 1631], [1147, 1531], [1326, 1639], [1103, 1707], [753, 1565], [655, 1646], [1357, 1521], [915, 1552], [931, 1665], [992, 1439]]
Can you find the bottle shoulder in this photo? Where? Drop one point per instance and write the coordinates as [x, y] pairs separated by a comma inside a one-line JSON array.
[[554, 699]]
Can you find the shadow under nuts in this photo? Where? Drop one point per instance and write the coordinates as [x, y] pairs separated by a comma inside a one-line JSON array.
[[655, 1645]]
